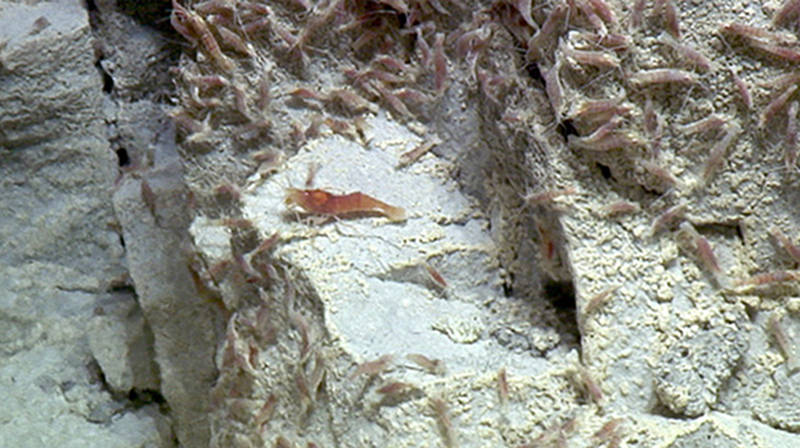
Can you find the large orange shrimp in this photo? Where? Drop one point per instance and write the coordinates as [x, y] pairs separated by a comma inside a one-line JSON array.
[[325, 203]]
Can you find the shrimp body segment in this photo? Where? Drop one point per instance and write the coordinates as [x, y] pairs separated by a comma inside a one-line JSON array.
[[325, 203]]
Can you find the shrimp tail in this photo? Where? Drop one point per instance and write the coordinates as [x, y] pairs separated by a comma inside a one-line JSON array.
[[395, 213], [363, 202]]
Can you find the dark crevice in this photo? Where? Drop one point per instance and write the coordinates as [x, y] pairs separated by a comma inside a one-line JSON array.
[[122, 157], [108, 81], [96, 375], [533, 71], [752, 312], [122, 288], [561, 294], [566, 128], [401, 20], [508, 286], [140, 398], [740, 232], [605, 171]]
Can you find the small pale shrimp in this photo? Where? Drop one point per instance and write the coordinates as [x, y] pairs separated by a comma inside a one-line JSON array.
[[769, 277], [375, 367], [325, 203]]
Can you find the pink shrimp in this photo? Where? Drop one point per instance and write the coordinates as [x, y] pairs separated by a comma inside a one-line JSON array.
[[325, 203]]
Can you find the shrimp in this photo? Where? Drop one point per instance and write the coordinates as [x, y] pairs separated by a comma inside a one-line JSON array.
[[325, 203]]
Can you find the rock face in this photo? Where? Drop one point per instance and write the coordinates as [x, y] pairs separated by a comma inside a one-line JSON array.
[[690, 374], [122, 344], [52, 124], [153, 213], [61, 259], [594, 252]]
